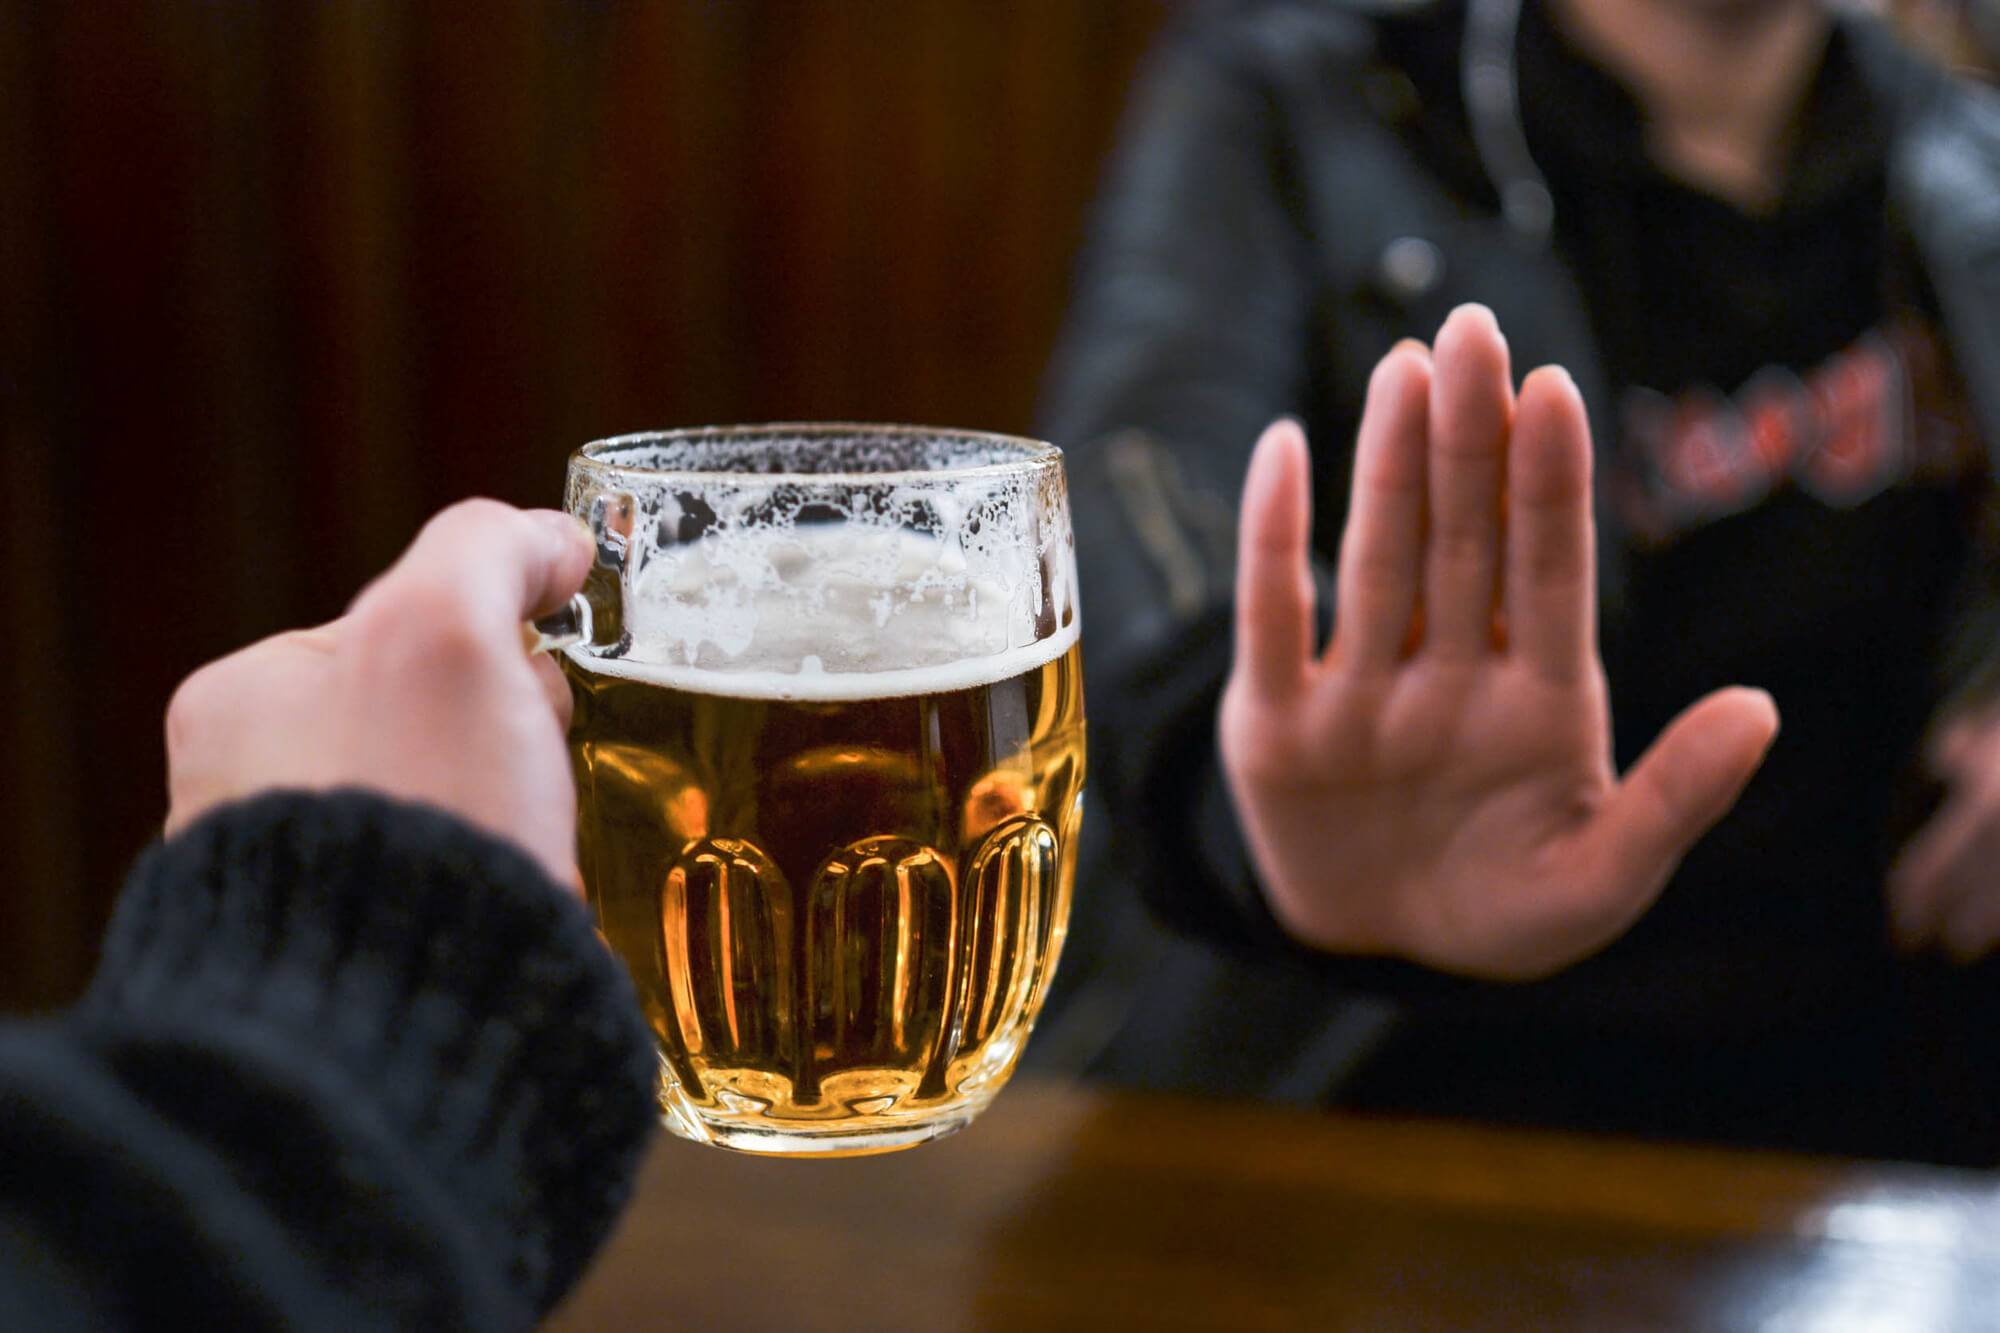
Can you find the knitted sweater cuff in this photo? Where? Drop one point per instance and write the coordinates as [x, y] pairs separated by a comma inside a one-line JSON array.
[[437, 972]]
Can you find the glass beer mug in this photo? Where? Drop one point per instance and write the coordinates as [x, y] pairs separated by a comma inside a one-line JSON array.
[[829, 750]]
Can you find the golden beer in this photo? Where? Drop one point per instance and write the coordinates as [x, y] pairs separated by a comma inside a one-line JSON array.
[[841, 908], [828, 744]]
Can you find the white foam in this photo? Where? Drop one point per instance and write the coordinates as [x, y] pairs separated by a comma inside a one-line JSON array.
[[814, 684], [861, 596]]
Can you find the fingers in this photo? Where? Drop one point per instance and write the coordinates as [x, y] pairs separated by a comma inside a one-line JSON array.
[[1471, 411], [1441, 442], [1919, 881], [1551, 574], [563, 572], [1945, 889], [1686, 780], [500, 565], [549, 677], [421, 692], [1274, 592], [1955, 749], [1381, 548]]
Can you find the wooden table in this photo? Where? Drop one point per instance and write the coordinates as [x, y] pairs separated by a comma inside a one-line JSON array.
[[1079, 1208]]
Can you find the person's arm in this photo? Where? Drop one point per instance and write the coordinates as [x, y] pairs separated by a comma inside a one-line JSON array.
[[354, 1057], [1476, 827], [347, 1063]]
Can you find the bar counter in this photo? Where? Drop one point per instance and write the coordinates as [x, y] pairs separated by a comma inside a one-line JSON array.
[[1070, 1207]]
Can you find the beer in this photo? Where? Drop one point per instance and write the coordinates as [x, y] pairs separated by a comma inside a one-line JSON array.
[[829, 747], [840, 893]]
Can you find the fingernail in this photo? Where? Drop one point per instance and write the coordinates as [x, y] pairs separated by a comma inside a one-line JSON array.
[[1474, 310], [1770, 703], [1287, 421]]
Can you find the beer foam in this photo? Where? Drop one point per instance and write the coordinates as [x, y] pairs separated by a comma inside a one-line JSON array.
[[859, 596], [813, 683]]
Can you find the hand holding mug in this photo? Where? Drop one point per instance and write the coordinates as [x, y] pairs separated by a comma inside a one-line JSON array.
[[423, 690]]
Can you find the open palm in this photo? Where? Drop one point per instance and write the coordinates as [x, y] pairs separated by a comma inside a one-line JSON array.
[[1438, 783]]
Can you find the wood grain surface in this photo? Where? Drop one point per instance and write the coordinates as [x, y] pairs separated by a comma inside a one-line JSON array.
[[1075, 1208]]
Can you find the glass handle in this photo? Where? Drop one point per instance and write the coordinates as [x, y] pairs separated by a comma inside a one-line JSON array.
[[562, 628]]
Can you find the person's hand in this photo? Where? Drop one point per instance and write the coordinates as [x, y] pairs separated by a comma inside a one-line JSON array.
[[1438, 784], [1945, 887], [423, 690]]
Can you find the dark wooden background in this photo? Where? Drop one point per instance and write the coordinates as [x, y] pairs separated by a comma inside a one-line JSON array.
[[277, 280]]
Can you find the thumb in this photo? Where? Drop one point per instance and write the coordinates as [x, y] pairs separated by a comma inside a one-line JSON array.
[[491, 562], [1683, 784]]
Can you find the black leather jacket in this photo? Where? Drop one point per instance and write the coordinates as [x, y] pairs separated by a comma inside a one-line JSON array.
[[1288, 203]]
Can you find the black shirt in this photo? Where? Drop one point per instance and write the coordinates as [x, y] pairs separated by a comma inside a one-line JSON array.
[[1756, 357]]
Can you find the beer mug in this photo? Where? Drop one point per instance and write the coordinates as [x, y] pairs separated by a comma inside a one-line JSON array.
[[829, 752]]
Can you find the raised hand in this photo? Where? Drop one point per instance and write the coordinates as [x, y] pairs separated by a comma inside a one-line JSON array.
[[1438, 784]]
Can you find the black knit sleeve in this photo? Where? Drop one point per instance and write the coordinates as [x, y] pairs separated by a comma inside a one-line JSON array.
[[348, 1063]]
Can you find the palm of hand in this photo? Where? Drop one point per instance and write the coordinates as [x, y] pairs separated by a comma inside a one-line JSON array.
[[1438, 785], [1439, 813]]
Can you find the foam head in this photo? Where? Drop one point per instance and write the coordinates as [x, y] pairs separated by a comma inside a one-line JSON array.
[[816, 561]]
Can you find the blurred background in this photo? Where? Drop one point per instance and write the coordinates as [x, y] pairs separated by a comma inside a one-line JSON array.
[[277, 280]]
